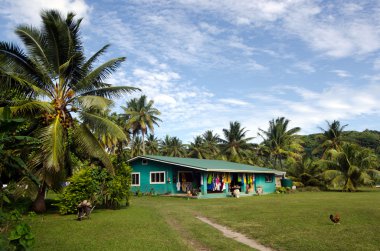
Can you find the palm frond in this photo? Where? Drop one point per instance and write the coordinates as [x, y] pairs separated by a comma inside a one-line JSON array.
[[35, 43], [87, 66], [86, 141], [110, 92], [30, 108], [96, 102], [102, 125], [53, 139], [95, 78]]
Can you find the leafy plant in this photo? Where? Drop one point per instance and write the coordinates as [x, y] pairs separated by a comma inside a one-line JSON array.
[[83, 186], [20, 234], [98, 186], [22, 237]]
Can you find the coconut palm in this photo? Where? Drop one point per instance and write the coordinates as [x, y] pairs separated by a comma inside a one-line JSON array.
[[349, 167], [211, 141], [142, 116], [332, 138], [281, 141], [173, 147], [235, 145], [136, 147], [152, 145], [59, 81], [305, 170], [198, 149]]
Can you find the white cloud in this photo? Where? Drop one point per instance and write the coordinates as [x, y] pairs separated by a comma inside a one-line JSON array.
[[337, 101], [335, 29], [341, 73], [305, 67], [232, 101], [28, 11]]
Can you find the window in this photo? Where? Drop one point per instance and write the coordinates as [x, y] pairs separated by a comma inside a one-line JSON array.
[[157, 177], [135, 179], [268, 178], [144, 162]]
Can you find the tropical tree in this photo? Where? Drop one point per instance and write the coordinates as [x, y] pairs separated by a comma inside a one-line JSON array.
[[59, 81], [152, 145], [305, 170], [350, 167], [332, 137], [281, 141], [198, 149], [173, 147], [136, 147], [142, 116], [235, 145], [211, 142]]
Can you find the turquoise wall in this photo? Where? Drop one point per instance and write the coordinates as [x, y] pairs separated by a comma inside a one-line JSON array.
[[144, 170], [171, 171], [268, 187]]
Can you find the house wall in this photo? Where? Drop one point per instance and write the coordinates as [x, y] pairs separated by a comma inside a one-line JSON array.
[[171, 172], [268, 187], [144, 170]]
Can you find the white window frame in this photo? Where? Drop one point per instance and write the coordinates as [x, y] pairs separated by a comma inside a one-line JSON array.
[[150, 177], [134, 185]]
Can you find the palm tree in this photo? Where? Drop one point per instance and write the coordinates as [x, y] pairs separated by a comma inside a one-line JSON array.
[[136, 147], [59, 81], [142, 116], [198, 149], [211, 142], [152, 145], [350, 167], [235, 144], [307, 171], [332, 138], [173, 147], [281, 141]]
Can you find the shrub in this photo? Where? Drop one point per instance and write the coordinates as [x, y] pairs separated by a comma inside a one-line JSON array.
[[117, 188], [20, 234], [83, 186], [309, 189], [98, 186]]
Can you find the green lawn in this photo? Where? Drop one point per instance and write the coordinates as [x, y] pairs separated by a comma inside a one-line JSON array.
[[296, 221]]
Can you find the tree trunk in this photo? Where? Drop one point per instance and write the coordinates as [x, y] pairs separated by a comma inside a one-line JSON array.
[[143, 141], [39, 205]]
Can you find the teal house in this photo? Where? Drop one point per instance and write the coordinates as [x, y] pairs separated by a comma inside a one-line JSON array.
[[199, 177]]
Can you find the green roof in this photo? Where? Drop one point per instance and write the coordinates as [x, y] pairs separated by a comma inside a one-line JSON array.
[[209, 165]]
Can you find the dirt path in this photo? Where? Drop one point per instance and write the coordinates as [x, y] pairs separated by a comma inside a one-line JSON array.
[[235, 235]]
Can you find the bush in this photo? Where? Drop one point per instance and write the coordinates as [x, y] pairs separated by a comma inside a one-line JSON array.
[[83, 186], [298, 184], [309, 189], [98, 186], [20, 234], [117, 188]]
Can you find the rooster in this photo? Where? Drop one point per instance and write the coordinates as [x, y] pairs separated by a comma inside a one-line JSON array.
[[335, 218]]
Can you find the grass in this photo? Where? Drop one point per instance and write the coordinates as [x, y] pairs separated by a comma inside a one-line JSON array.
[[296, 221]]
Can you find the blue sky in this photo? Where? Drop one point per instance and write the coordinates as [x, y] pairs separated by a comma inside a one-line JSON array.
[[206, 63]]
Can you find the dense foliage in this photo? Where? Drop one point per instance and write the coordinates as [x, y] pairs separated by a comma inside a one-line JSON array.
[[97, 186]]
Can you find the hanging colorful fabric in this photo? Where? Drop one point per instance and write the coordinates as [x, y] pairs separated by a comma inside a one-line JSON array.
[[209, 179]]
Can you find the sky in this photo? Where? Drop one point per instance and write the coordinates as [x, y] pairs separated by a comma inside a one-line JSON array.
[[206, 63]]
